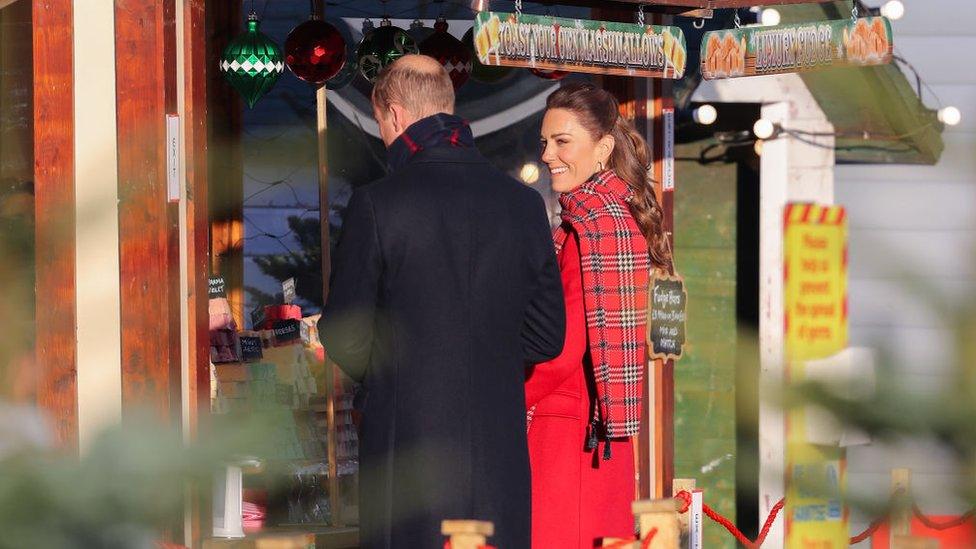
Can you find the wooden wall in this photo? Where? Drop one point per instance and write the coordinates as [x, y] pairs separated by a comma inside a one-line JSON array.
[[148, 253], [54, 217], [704, 378]]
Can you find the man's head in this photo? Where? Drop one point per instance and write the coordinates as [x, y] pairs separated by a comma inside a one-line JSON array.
[[411, 88]]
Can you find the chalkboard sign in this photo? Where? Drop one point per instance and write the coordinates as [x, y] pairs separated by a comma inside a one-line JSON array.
[[286, 330], [217, 287], [668, 304], [288, 290], [251, 348]]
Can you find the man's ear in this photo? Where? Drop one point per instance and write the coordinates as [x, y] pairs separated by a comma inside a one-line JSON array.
[[400, 116]]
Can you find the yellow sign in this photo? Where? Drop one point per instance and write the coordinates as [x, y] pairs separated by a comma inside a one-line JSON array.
[[815, 323]]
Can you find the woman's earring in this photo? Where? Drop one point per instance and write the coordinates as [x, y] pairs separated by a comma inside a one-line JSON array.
[[599, 166]]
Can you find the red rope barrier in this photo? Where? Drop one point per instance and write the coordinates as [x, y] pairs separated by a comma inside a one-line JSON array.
[[714, 515], [942, 525], [622, 544], [870, 531]]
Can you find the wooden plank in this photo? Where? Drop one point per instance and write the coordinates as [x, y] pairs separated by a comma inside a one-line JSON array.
[[196, 66], [226, 163], [144, 219], [17, 203], [54, 215], [663, 101], [687, 8]]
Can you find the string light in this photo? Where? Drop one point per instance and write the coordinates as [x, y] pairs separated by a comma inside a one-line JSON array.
[[950, 116], [770, 17], [893, 9], [529, 173], [763, 129], [705, 115]]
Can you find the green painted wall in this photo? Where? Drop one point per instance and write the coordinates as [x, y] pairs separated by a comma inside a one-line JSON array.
[[705, 251]]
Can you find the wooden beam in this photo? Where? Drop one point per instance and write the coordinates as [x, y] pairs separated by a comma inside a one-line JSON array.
[[702, 9], [195, 70], [145, 232], [225, 160], [54, 215]]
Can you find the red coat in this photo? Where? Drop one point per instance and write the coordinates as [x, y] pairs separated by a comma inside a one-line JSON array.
[[577, 497]]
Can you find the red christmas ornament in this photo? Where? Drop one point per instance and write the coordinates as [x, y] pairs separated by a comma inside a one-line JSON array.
[[549, 74], [451, 53], [315, 51]]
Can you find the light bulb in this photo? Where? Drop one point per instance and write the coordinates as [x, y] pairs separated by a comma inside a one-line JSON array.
[[758, 147], [950, 116], [764, 129], [529, 173], [705, 115], [769, 17], [893, 9]]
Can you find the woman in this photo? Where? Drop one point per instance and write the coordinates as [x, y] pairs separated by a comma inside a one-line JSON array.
[[584, 406]]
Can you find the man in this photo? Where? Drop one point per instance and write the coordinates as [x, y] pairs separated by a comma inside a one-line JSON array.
[[445, 286]]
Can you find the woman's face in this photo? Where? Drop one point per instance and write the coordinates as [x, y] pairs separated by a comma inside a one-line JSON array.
[[569, 151]]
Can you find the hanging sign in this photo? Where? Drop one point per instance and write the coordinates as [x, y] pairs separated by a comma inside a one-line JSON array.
[[668, 304], [815, 326], [579, 45], [754, 51]]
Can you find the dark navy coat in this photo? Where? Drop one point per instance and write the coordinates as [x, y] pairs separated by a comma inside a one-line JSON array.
[[445, 285]]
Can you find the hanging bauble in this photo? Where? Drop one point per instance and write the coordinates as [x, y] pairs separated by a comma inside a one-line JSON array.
[[547, 74], [315, 51], [349, 69], [486, 74], [252, 62], [450, 52], [382, 46], [418, 31]]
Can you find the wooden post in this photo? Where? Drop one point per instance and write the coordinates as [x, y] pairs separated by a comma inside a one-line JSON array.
[[54, 219], [913, 542], [321, 126], [662, 515], [684, 519], [467, 534], [901, 513]]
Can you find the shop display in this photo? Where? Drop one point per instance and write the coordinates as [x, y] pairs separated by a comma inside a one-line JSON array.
[[315, 51], [252, 62], [450, 52]]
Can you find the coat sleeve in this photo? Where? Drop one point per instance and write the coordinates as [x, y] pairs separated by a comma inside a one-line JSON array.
[[544, 378], [544, 327], [347, 323]]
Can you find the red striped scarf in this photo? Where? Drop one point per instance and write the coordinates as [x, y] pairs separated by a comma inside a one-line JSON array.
[[616, 269]]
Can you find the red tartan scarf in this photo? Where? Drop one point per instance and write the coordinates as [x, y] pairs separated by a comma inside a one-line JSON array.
[[616, 269]]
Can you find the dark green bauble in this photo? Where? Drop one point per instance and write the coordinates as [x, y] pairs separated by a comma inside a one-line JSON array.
[[418, 31], [252, 62], [382, 46], [486, 74]]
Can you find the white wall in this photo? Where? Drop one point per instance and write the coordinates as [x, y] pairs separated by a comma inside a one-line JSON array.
[[920, 220]]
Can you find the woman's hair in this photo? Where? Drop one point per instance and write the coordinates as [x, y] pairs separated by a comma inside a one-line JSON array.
[[598, 113]]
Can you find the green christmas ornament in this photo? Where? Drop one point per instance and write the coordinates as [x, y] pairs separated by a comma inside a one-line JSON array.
[[252, 62], [382, 46]]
